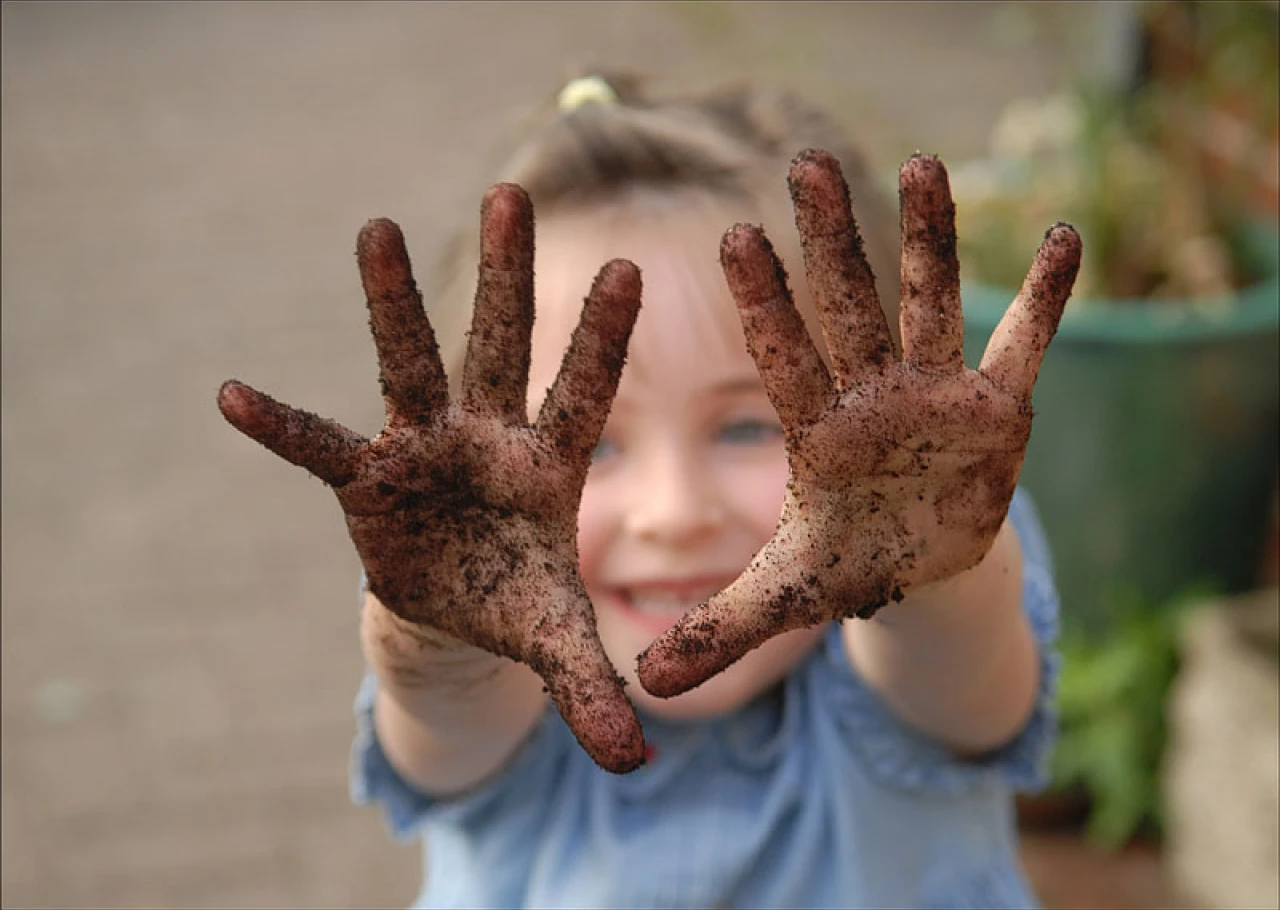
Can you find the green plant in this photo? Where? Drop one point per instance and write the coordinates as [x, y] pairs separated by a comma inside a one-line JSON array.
[[1111, 700]]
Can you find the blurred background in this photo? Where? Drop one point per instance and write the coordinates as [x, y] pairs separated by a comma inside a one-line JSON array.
[[182, 185]]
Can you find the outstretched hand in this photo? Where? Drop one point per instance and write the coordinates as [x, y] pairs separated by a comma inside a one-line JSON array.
[[901, 471], [463, 514]]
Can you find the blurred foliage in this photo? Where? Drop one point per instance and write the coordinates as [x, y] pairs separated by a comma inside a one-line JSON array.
[[1161, 177], [1112, 701]]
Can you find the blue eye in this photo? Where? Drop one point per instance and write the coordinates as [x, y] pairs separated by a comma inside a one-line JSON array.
[[604, 448], [749, 432]]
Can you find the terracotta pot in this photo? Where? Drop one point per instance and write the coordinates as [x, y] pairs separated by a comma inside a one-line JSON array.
[[1054, 809]]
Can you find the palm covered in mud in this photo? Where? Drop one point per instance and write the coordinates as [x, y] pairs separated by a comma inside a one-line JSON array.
[[901, 470], [464, 515]]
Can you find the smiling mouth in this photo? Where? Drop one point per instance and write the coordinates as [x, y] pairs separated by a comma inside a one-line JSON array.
[[658, 607]]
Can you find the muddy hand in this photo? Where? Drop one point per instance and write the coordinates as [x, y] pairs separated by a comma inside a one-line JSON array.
[[463, 514], [901, 470]]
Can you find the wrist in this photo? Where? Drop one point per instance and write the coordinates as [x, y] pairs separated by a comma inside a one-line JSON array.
[[971, 590], [408, 657]]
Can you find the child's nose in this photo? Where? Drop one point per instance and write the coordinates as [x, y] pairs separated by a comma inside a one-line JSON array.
[[676, 501]]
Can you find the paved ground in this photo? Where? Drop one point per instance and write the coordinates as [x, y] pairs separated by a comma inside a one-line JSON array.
[[182, 184]]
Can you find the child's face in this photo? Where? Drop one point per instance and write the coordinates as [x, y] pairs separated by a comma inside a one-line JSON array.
[[689, 476]]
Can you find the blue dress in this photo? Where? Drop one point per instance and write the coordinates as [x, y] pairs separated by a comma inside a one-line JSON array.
[[813, 795]]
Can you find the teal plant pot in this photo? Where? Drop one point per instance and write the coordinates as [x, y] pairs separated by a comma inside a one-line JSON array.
[[1154, 445]]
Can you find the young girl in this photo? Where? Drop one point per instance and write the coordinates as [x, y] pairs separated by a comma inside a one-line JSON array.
[[829, 708]]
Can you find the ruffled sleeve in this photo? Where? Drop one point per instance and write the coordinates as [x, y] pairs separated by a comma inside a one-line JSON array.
[[902, 758]]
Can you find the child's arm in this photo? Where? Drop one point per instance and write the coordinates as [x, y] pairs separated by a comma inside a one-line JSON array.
[[464, 515], [902, 471], [956, 659]]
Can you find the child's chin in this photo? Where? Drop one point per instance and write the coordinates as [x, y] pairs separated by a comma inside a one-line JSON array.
[[721, 694], [703, 703], [732, 688]]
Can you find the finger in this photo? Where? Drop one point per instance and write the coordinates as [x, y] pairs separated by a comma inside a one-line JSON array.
[[930, 317], [409, 367], [713, 636], [1017, 346], [605, 725], [840, 279], [794, 375], [562, 646], [577, 406], [495, 376], [324, 447], [588, 693]]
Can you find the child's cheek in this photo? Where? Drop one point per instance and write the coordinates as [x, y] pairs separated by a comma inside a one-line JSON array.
[[592, 536], [760, 487]]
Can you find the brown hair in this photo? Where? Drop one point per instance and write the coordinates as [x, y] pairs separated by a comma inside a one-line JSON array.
[[734, 143]]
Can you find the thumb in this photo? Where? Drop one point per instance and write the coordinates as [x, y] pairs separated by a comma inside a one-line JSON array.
[[714, 635]]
